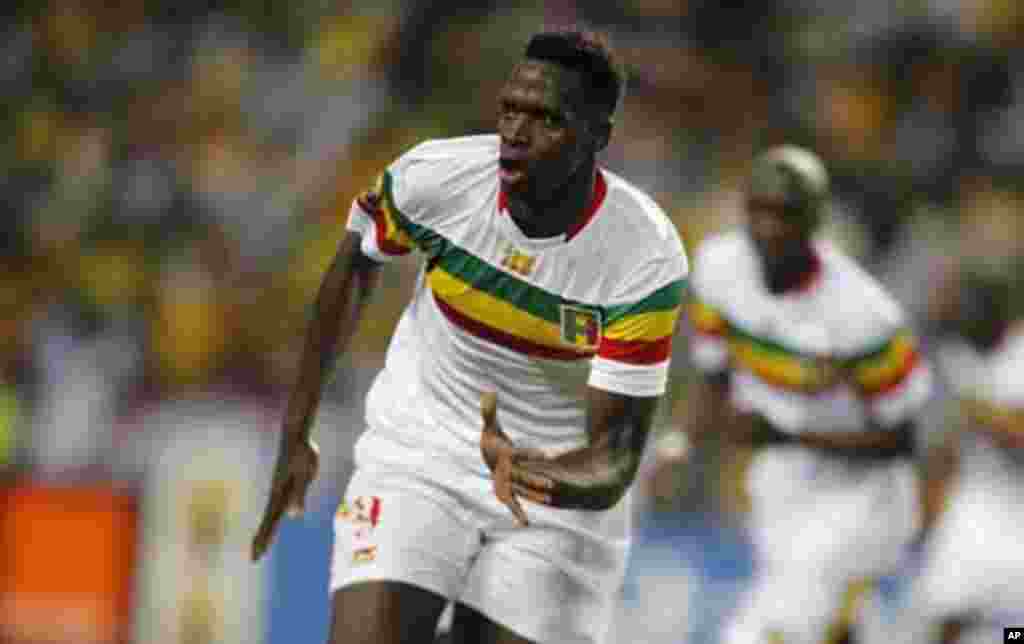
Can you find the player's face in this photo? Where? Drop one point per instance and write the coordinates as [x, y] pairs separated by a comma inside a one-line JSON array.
[[544, 137], [779, 237]]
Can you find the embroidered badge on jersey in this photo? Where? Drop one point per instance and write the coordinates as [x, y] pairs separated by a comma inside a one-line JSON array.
[[364, 515], [580, 327], [517, 261]]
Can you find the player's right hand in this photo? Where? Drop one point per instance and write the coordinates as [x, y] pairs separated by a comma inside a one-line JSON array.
[[297, 466], [500, 454]]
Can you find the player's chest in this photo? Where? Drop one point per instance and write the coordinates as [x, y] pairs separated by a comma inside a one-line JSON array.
[[792, 342], [533, 298]]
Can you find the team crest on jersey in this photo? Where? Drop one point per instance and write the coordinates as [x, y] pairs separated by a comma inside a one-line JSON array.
[[580, 327], [517, 261]]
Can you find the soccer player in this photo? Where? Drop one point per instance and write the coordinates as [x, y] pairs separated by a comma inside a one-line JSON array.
[[519, 387], [971, 581], [805, 358]]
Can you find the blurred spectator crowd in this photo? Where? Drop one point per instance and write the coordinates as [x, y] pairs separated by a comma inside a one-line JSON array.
[[178, 174]]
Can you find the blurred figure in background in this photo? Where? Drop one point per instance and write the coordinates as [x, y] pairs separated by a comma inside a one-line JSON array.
[[967, 584], [810, 363]]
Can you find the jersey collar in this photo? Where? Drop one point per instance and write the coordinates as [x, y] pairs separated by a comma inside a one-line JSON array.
[[812, 277], [596, 199]]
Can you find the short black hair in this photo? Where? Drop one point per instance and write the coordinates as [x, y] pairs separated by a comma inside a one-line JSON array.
[[589, 53]]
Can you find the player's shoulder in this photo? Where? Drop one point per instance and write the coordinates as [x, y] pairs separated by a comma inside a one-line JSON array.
[[635, 210], [725, 269], [452, 150], [633, 223], [437, 168], [722, 249], [634, 243], [868, 310]]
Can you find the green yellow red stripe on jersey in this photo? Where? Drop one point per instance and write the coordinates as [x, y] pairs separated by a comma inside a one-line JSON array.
[[502, 308], [872, 373]]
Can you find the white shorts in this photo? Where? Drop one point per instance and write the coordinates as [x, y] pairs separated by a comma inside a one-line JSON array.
[[818, 525], [544, 582], [816, 514], [973, 564]]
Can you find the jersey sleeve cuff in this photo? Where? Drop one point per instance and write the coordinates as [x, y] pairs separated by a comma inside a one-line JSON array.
[[362, 223], [627, 379], [903, 402]]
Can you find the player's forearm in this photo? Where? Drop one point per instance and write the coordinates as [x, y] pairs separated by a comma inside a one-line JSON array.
[[897, 439], [707, 410], [596, 477], [1003, 425], [593, 478], [343, 292], [938, 470]]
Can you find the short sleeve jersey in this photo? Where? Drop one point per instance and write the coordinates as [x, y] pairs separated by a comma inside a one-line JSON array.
[[536, 320], [830, 355]]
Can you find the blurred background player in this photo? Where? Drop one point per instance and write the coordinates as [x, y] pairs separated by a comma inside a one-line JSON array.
[[810, 362], [968, 583], [548, 281]]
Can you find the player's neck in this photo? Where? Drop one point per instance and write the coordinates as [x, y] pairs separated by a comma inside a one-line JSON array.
[[557, 214], [795, 273]]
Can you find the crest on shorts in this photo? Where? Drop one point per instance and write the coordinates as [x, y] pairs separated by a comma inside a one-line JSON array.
[[364, 555], [362, 510], [580, 327]]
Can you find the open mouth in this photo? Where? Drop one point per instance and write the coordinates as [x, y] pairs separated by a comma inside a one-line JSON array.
[[511, 170]]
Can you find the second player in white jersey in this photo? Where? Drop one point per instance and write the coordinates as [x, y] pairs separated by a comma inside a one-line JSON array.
[[820, 372]]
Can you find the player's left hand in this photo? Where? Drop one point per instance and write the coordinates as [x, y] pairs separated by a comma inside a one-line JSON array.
[[502, 457], [297, 465]]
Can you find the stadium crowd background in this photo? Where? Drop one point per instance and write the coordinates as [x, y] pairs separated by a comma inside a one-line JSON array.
[[177, 176]]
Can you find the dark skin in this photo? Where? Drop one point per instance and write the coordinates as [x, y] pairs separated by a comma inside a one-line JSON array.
[[549, 141]]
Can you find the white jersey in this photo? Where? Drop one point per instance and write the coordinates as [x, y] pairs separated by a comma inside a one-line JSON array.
[[536, 320], [829, 356], [833, 355], [973, 565]]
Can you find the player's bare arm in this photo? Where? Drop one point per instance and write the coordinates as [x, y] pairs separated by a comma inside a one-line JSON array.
[[939, 469], [1003, 425], [898, 439], [345, 288], [708, 410], [707, 414], [594, 477]]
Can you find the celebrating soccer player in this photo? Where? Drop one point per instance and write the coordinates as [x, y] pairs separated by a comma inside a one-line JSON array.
[[506, 427]]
